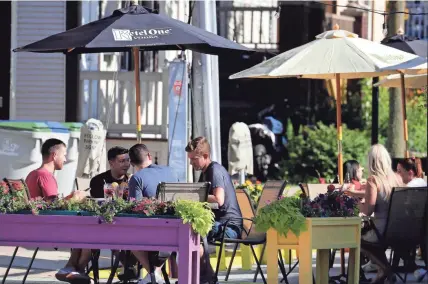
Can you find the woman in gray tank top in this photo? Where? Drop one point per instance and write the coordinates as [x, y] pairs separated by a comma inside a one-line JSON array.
[[378, 191]]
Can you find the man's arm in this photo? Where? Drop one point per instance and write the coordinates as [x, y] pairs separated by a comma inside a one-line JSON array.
[[218, 185], [217, 196], [135, 188]]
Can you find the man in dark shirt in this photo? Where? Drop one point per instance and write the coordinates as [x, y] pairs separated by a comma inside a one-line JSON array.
[[222, 192], [118, 160], [144, 183], [119, 165]]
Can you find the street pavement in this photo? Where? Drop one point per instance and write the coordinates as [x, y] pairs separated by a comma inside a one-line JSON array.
[[49, 261]]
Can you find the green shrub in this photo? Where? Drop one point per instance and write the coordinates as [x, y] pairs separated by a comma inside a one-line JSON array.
[[318, 152], [417, 123], [416, 116]]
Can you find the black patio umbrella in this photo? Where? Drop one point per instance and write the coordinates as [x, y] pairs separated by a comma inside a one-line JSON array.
[[412, 45], [135, 28], [408, 44]]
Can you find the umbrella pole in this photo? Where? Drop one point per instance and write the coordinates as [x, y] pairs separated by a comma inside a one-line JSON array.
[[136, 53], [339, 128], [403, 101]]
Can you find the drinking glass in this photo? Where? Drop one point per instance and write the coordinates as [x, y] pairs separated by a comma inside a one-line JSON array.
[[108, 191]]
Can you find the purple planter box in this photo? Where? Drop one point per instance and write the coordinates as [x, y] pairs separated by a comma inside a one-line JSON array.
[[149, 234]]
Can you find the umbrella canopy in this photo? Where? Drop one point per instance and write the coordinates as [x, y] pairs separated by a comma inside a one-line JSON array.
[[134, 26], [408, 44], [334, 52], [410, 81], [417, 47]]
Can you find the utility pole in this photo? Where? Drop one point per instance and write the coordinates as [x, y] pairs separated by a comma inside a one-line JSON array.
[[395, 140], [375, 91], [205, 81]]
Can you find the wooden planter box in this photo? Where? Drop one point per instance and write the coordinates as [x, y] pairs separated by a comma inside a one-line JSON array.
[[322, 234], [126, 233]]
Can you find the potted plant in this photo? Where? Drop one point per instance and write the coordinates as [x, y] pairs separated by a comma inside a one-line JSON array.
[[282, 215], [328, 221]]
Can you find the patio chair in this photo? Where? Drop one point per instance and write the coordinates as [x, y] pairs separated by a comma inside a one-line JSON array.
[[174, 191], [171, 192], [424, 245], [13, 184], [272, 190], [407, 210], [190, 191], [250, 237], [82, 183], [312, 190]]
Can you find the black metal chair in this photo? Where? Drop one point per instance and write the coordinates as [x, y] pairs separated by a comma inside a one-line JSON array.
[[174, 191], [19, 185], [424, 244], [272, 190], [170, 192], [250, 237], [190, 191], [405, 223]]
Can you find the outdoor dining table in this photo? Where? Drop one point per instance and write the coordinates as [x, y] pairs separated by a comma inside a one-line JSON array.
[[126, 233]]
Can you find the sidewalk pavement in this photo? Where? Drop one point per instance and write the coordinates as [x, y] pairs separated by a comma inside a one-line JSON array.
[[48, 262]]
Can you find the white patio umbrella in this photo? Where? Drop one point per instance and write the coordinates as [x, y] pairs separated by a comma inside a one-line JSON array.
[[411, 81], [336, 54]]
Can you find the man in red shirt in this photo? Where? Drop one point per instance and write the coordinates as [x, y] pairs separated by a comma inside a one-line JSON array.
[[41, 182]]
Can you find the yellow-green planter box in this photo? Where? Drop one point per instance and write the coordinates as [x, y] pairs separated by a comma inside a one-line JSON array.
[[321, 234]]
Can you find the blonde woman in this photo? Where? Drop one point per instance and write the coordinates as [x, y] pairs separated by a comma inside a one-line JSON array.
[[379, 186]]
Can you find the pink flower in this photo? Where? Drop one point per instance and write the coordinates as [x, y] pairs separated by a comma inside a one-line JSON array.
[[17, 186], [5, 191]]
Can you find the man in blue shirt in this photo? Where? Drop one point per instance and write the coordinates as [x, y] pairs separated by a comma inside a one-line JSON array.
[[147, 175], [144, 183]]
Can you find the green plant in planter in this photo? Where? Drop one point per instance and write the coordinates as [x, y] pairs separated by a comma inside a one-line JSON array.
[[108, 210], [198, 214], [65, 204], [283, 215]]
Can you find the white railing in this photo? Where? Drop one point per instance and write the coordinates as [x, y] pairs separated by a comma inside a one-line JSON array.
[[110, 97], [253, 26]]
